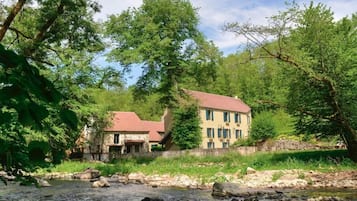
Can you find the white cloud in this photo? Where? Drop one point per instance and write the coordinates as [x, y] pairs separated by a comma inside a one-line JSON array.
[[214, 14], [110, 7], [342, 8]]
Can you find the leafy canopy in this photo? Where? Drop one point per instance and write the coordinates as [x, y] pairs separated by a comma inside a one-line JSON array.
[[163, 38]]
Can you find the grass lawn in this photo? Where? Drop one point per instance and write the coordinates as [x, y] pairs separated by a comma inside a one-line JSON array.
[[206, 167]]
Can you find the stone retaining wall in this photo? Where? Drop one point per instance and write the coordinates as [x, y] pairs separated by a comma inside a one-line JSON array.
[[285, 145], [278, 145], [268, 146], [194, 152]]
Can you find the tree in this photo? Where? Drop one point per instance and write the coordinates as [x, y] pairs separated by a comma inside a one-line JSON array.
[[320, 55], [163, 38], [60, 39], [263, 127], [186, 132], [260, 83]]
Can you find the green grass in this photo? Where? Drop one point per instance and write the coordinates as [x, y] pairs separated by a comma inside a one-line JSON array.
[[207, 167], [277, 175]]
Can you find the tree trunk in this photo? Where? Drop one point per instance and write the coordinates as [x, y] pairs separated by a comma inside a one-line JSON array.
[[350, 138], [11, 17]]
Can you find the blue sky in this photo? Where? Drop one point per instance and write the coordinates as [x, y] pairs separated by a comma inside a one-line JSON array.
[[215, 13]]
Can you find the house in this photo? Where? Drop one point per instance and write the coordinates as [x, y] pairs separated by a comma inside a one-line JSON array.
[[127, 133], [224, 120]]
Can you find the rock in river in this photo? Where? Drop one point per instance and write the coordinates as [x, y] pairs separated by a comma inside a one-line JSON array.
[[233, 190], [87, 174], [102, 182]]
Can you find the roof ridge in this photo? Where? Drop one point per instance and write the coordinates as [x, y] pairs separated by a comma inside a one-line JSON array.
[[217, 101]]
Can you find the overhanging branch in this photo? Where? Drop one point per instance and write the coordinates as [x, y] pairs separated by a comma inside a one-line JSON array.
[[10, 18]]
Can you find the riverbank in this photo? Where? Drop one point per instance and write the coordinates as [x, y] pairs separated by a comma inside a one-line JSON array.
[[273, 179], [298, 169], [310, 174]]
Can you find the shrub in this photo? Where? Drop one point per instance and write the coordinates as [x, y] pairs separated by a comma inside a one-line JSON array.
[[186, 132], [263, 127]]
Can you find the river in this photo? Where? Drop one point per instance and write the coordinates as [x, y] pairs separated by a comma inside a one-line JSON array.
[[81, 190]]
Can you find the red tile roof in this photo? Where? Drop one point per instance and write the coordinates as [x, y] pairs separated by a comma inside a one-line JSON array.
[[155, 128], [220, 102], [126, 121], [130, 121]]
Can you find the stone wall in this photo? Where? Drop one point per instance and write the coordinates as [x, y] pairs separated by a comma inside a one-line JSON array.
[[285, 145], [268, 146], [195, 152]]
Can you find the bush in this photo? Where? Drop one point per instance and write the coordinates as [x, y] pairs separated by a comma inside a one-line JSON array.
[[263, 127], [186, 131]]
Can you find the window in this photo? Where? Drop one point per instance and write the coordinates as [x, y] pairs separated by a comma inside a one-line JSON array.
[[116, 138], [98, 148], [219, 132], [209, 114], [225, 133], [226, 117], [239, 134], [237, 118], [210, 145], [225, 144], [210, 132]]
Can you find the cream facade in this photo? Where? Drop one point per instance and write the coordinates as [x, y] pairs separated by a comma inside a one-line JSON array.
[[221, 128]]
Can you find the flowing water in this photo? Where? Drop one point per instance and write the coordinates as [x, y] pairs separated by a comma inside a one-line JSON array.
[[80, 190]]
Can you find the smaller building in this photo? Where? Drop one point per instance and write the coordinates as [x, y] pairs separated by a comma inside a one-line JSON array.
[[126, 134]]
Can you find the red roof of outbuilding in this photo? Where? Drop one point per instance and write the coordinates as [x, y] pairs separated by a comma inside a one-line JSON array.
[[130, 121], [155, 128], [126, 121], [220, 102]]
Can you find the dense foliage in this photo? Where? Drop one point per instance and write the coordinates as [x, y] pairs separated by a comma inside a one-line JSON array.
[[186, 131], [44, 84], [318, 54], [27, 99], [263, 127]]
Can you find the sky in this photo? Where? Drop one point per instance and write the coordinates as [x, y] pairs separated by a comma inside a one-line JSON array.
[[214, 14]]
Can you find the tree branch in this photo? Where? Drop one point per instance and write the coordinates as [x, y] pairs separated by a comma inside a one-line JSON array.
[[40, 36], [11, 17], [18, 32]]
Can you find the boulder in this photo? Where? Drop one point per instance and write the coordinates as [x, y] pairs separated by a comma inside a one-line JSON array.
[[233, 190], [43, 183], [7, 176], [224, 189], [136, 178], [251, 170], [121, 178], [102, 182], [87, 174]]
